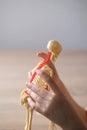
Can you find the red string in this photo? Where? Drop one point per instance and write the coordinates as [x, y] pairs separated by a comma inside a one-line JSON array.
[[44, 62]]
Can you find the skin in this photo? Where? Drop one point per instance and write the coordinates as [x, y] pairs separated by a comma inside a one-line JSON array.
[[56, 104]]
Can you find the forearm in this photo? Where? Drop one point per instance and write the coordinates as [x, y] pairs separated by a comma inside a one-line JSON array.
[[72, 116], [69, 118]]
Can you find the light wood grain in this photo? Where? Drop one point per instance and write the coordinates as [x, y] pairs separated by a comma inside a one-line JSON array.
[[14, 65]]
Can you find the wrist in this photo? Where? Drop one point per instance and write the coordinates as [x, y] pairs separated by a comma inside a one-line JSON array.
[[73, 117]]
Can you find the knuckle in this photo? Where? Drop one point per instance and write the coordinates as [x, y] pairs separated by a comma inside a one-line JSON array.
[[49, 79]]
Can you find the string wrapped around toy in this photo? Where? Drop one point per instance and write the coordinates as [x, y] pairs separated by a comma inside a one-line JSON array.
[[54, 48]]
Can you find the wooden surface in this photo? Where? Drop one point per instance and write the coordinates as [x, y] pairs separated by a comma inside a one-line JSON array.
[[14, 65]]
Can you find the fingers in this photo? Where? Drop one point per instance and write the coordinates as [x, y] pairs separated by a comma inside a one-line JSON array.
[[49, 80], [29, 74], [37, 102], [36, 106], [40, 99], [40, 91], [36, 97]]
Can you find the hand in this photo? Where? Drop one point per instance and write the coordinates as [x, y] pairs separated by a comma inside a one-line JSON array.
[[43, 101], [57, 105]]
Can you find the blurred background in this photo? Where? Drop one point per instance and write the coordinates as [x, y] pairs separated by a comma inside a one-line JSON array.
[[26, 26], [30, 24]]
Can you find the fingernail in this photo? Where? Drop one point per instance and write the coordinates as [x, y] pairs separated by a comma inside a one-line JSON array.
[[28, 99], [28, 90], [26, 82], [38, 72]]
